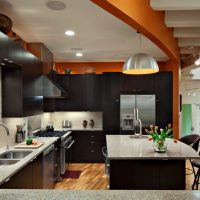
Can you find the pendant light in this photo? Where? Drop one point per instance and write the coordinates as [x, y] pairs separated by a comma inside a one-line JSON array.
[[140, 63]]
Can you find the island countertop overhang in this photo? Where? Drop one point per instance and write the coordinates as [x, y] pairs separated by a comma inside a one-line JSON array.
[[124, 147]]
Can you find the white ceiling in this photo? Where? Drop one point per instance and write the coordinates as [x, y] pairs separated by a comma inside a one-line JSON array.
[[184, 16], [101, 36]]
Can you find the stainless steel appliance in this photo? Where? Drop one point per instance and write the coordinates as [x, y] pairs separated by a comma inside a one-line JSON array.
[[137, 112], [65, 143], [65, 156], [66, 124], [48, 168]]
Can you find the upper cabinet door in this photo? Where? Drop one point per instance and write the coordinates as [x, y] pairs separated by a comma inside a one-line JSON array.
[[94, 92], [138, 83]]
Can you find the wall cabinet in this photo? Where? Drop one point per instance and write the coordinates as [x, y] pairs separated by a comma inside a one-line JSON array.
[[19, 80], [84, 93], [111, 103], [88, 146], [138, 83]]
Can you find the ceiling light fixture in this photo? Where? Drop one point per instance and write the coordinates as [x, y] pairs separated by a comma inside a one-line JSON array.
[[56, 5], [69, 33], [140, 63], [79, 54]]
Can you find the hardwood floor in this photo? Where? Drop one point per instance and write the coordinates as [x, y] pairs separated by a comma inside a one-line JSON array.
[[93, 177]]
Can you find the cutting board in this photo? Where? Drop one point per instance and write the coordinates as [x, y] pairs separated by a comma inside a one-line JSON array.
[[23, 145]]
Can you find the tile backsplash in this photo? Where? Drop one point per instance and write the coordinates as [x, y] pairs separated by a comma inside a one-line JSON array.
[[75, 117]]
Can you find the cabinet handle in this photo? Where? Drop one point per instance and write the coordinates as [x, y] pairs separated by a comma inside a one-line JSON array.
[[157, 100], [116, 100], [92, 142], [92, 136], [92, 151]]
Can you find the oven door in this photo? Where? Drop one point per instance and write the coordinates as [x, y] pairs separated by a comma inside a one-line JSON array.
[[66, 155]]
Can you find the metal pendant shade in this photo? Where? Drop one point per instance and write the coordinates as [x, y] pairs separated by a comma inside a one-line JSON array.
[[140, 63]]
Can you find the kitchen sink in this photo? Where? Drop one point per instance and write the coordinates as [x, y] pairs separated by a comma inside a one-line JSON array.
[[8, 162], [14, 154]]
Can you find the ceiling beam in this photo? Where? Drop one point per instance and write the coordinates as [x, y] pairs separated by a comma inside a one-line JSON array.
[[175, 4], [185, 42], [192, 32], [182, 19]]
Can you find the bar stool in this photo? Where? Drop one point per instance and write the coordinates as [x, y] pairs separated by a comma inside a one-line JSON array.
[[196, 163], [193, 141]]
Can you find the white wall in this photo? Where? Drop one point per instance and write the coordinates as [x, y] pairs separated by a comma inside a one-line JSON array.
[[195, 119]]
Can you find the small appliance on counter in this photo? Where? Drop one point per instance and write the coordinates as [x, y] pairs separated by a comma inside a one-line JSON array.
[[50, 127], [66, 124]]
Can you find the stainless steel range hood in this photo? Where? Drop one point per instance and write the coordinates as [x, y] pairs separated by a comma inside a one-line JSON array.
[[50, 89]]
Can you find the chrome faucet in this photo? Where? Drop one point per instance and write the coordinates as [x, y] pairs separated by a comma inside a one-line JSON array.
[[7, 131], [140, 123]]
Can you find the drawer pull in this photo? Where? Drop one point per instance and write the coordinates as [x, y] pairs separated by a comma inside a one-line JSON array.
[[92, 151], [92, 136]]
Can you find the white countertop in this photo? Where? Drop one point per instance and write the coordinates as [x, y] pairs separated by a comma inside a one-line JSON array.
[[79, 129], [124, 147], [7, 171], [6, 194]]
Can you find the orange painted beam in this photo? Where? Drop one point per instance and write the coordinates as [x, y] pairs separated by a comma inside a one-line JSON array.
[[139, 15]]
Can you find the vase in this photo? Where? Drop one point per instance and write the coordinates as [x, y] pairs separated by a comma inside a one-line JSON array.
[[92, 123], [85, 122], [160, 146]]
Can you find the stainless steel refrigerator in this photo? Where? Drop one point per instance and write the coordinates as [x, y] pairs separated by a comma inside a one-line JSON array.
[[137, 112]]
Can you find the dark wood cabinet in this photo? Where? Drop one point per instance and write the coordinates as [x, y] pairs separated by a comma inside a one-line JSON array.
[[28, 177], [43, 53], [164, 98], [20, 73], [138, 83], [111, 103], [88, 146], [93, 92], [84, 93], [147, 174], [33, 175]]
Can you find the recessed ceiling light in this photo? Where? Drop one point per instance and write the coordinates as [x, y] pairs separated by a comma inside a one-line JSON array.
[[56, 5], [79, 54], [69, 33]]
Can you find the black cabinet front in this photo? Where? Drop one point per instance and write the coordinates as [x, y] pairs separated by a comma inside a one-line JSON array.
[[88, 146]]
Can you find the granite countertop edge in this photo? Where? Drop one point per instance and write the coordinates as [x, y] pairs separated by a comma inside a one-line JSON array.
[[7, 171], [99, 194]]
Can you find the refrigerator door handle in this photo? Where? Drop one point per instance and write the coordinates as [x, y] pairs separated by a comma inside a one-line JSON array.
[[140, 122]]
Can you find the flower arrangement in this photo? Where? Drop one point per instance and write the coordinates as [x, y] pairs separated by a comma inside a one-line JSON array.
[[159, 136]]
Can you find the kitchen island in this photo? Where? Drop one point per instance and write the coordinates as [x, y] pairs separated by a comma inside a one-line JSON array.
[[135, 165]]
